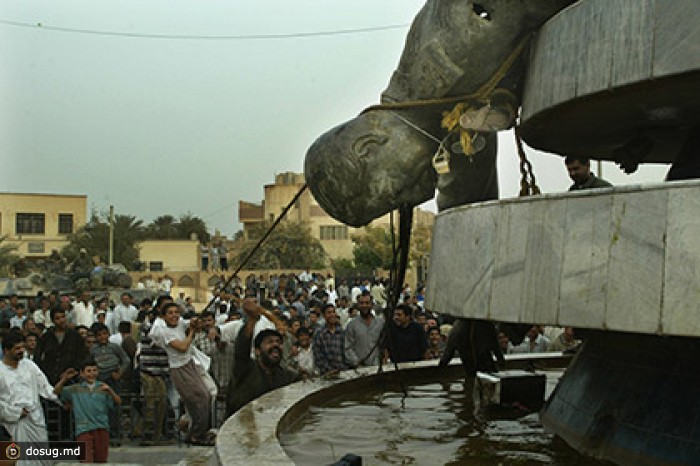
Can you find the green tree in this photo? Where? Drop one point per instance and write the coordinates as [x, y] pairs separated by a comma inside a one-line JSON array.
[[189, 224], [345, 268], [421, 238], [289, 246], [94, 237], [168, 227], [163, 227], [372, 248], [7, 257]]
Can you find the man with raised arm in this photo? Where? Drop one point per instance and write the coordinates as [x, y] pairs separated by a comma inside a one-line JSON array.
[[255, 377]]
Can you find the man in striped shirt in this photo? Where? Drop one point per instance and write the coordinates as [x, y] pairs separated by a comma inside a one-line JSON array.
[[112, 363], [154, 369]]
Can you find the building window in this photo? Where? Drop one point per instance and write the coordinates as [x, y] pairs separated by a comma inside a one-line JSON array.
[[155, 266], [65, 224], [333, 232], [30, 224]]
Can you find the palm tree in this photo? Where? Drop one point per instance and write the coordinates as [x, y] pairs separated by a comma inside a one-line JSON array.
[[94, 237], [163, 227], [189, 224]]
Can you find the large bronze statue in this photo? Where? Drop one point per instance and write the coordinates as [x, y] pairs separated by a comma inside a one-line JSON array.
[[458, 82]]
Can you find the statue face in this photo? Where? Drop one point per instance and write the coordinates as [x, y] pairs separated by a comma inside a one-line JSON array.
[[369, 166]]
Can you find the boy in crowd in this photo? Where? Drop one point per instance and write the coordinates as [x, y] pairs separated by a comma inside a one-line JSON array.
[[91, 402], [112, 362], [436, 344], [305, 354], [18, 319]]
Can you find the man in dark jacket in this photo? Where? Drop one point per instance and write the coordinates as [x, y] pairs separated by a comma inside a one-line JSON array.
[[408, 341], [253, 378], [579, 169], [59, 349]]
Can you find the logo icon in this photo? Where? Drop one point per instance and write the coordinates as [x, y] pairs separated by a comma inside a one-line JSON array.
[[13, 451]]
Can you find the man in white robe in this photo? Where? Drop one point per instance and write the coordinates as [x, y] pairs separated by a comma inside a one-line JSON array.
[[22, 384]]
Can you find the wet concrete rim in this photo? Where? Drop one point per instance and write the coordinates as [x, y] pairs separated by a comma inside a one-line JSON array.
[[251, 435]]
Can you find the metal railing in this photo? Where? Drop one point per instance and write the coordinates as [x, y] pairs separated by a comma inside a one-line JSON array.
[[138, 419]]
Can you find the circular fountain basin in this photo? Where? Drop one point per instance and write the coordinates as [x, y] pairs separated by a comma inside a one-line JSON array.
[[250, 436], [317, 422]]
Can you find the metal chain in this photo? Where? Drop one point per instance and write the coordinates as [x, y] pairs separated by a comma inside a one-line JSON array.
[[528, 184]]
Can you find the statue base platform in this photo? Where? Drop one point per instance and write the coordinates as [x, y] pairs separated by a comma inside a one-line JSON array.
[[631, 399]]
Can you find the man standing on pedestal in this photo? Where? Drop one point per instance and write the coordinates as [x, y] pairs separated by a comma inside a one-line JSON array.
[[579, 169]]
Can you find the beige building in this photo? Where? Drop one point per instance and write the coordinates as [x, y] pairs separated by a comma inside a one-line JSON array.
[[39, 223], [169, 255], [333, 235]]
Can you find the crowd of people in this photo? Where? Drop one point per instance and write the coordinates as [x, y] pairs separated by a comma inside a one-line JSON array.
[[251, 338], [167, 354]]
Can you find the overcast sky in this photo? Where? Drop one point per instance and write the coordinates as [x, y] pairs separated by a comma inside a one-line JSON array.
[[205, 116]]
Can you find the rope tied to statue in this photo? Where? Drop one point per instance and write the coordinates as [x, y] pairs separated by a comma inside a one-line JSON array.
[[257, 246], [463, 103]]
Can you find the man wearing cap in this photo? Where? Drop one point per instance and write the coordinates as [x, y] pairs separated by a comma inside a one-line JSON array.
[[81, 266], [255, 377]]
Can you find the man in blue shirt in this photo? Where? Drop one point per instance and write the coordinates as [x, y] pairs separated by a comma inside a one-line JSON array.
[[112, 362]]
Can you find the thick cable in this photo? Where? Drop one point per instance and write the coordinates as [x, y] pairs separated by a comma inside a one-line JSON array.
[[261, 241]]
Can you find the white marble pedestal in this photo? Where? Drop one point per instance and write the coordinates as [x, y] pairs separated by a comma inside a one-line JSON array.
[[624, 258]]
